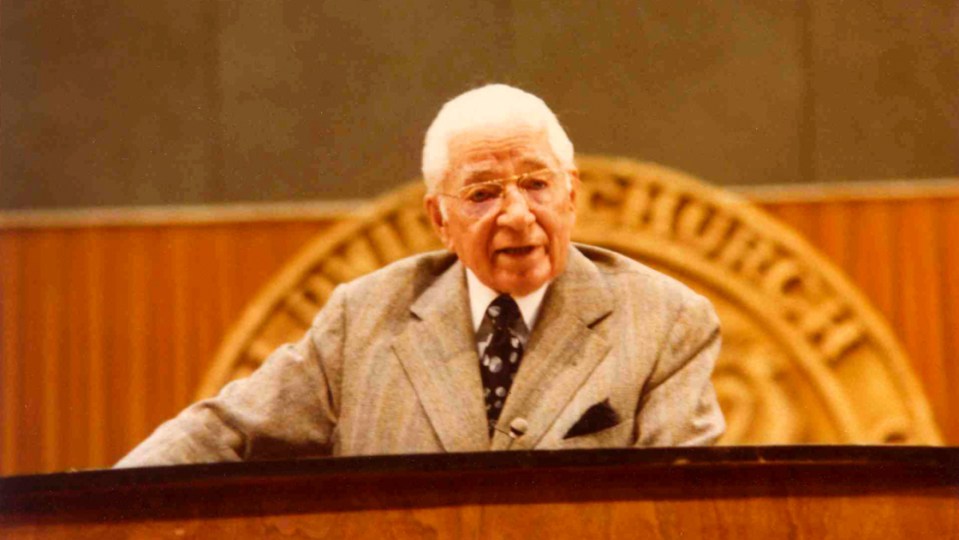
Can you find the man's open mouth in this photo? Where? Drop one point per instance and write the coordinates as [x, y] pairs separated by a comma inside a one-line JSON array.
[[523, 250]]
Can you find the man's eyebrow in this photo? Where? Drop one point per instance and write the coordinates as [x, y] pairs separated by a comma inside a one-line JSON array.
[[482, 172], [478, 174], [533, 162], [479, 178]]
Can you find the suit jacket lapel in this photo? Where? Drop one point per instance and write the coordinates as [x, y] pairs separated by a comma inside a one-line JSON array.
[[562, 351], [438, 352]]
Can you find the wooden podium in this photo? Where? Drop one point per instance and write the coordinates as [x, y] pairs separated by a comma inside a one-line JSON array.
[[726, 492]]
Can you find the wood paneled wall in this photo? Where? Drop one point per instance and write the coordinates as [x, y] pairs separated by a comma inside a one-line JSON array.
[[105, 331], [904, 255]]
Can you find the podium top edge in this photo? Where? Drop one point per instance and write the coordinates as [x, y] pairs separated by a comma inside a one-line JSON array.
[[937, 460]]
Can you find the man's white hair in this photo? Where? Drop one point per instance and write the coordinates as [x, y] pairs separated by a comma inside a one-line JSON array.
[[489, 106]]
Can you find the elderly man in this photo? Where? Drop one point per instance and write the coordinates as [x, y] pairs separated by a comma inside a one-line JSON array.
[[512, 339]]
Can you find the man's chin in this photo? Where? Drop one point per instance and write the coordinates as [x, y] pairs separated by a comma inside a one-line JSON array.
[[522, 284]]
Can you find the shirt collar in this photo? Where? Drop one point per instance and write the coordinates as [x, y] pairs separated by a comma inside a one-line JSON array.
[[481, 296]]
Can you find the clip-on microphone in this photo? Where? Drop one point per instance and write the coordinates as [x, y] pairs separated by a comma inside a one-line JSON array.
[[517, 428]]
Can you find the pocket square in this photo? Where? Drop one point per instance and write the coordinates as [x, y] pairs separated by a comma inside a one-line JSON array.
[[596, 418]]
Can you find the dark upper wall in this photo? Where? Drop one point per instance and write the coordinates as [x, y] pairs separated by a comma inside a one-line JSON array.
[[112, 103]]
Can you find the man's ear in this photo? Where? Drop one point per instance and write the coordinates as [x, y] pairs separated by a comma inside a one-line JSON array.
[[573, 187], [435, 214]]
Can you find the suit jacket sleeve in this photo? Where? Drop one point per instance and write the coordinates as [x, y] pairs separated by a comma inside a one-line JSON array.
[[285, 408], [679, 406]]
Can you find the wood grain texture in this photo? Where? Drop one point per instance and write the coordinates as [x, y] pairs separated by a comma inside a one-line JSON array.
[[597, 494], [902, 255], [884, 516], [107, 331]]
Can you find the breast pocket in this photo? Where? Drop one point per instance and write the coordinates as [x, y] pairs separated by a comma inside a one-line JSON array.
[[619, 436]]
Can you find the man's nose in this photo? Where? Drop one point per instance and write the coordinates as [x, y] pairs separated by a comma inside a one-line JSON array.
[[515, 212]]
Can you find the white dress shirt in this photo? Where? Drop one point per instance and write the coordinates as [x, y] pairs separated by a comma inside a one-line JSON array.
[[481, 296]]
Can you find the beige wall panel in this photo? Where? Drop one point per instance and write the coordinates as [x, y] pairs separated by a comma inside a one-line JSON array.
[[715, 89], [121, 103], [882, 88], [107, 103]]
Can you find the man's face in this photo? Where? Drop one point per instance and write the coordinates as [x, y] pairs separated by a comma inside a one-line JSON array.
[[515, 245]]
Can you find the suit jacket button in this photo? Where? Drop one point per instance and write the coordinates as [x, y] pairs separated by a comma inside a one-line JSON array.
[[518, 427]]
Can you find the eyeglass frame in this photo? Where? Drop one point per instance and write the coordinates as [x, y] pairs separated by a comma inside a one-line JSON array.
[[504, 182]]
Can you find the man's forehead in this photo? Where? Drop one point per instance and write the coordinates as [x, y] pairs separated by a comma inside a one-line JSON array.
[[518, 160], [489, 150]]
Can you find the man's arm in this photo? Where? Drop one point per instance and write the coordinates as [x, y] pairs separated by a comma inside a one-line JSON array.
[[679, 406], [285, 408]]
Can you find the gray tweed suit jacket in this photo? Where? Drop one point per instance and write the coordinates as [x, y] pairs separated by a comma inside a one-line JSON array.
[[620, 356]]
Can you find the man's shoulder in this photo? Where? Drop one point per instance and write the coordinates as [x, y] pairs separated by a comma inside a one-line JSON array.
[[420, 267], [406, 278], [619, 268], [614, 265]]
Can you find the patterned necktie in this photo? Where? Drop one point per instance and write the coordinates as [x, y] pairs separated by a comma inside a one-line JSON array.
[[502, 337]]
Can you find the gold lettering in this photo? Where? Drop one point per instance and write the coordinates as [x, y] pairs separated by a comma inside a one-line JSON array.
[[664, 210]]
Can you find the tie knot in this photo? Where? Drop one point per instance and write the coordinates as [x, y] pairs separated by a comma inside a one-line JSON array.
[[503, 311]]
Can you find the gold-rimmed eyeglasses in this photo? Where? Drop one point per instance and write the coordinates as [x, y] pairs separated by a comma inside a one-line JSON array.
[[539, 187]]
